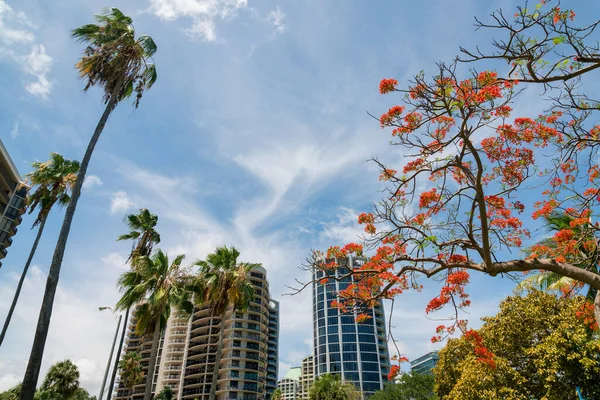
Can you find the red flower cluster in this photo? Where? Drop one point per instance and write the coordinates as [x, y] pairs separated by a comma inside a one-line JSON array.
[[387, 85], [481, 352]]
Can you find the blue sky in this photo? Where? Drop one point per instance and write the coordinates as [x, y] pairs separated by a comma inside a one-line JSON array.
[[255, 135]]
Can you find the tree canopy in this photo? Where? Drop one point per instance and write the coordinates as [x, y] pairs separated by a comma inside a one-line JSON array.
[[330, 387], [410, 386], [60, 383], [537, 346]]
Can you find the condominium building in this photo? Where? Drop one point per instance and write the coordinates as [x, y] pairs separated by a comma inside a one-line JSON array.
[[273, 348], [307, 377], [194, 348], [289, 385], [12, 200], [357, 351], [426, 363]]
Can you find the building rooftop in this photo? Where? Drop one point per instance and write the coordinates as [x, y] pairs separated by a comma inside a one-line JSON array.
[[294, 373], [9, 163]]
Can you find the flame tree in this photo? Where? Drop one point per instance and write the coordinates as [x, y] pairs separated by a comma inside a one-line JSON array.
[[480, 162]]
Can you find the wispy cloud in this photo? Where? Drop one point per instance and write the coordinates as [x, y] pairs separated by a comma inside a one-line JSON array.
[[203, 13], [120, 202], [14, 132], [275, 17], [17, 43], [92, 181]]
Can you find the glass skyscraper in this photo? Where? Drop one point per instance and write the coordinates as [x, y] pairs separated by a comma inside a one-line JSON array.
[[356, 351]]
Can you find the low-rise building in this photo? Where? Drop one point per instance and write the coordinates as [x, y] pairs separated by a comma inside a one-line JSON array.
[[289, 384]]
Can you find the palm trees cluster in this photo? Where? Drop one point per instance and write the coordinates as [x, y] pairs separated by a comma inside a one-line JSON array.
[[120, 63], [157, 286]]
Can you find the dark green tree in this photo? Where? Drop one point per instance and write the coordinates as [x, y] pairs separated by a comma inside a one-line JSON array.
[[410, 386]]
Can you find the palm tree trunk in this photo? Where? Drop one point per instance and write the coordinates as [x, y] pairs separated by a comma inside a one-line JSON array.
[[152, 362], [213, 385], [41, 333], [119, 349], [23, 274]]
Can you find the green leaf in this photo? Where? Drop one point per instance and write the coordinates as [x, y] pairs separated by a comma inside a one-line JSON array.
[[558, 39]]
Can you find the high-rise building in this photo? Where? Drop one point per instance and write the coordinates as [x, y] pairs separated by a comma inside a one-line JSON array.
[[273, 348], [307, 377], [12, 200], [426, 363], [189, 347], [289, 385], [357, 351]]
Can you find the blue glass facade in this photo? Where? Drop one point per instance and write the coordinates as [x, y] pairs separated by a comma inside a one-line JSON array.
[[356, 351]]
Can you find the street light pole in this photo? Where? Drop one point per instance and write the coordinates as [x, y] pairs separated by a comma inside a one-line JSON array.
[[119, 349], [112, 349]]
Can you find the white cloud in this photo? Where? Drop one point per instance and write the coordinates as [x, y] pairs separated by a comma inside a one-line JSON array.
[[91, 181], [38, 63], [10, 35], [116, 260], [14, 132], [344, 229], [276, 17], [204, 14], [15, 35], [120, 202]]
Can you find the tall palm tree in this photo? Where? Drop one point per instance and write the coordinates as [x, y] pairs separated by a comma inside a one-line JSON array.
[[118, 62], [158, 285], [131, 370], [141, 233], [144, 237], [52, 180], [222, 283]]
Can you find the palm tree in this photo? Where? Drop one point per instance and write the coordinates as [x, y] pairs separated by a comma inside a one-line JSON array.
[[53, 180], [157, 286], [144, 237], [131, 370], [61, 381], [165, 394], [118, 62], [276, 394], [223, 282], [142, 233]]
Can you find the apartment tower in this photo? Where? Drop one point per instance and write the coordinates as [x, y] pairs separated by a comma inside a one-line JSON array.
[[12, 200], [247, 343], [357, 351], [307, 377]]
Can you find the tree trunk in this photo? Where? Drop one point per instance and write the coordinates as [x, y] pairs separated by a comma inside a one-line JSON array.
[[41, 333], [20, 285], [213, 386], [597, 308], [119, 349], [152, 361]]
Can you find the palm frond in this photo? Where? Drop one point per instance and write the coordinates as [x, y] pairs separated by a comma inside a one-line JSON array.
[[148, 45]]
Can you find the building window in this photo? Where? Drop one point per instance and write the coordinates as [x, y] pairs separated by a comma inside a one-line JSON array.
[[368, 347]]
